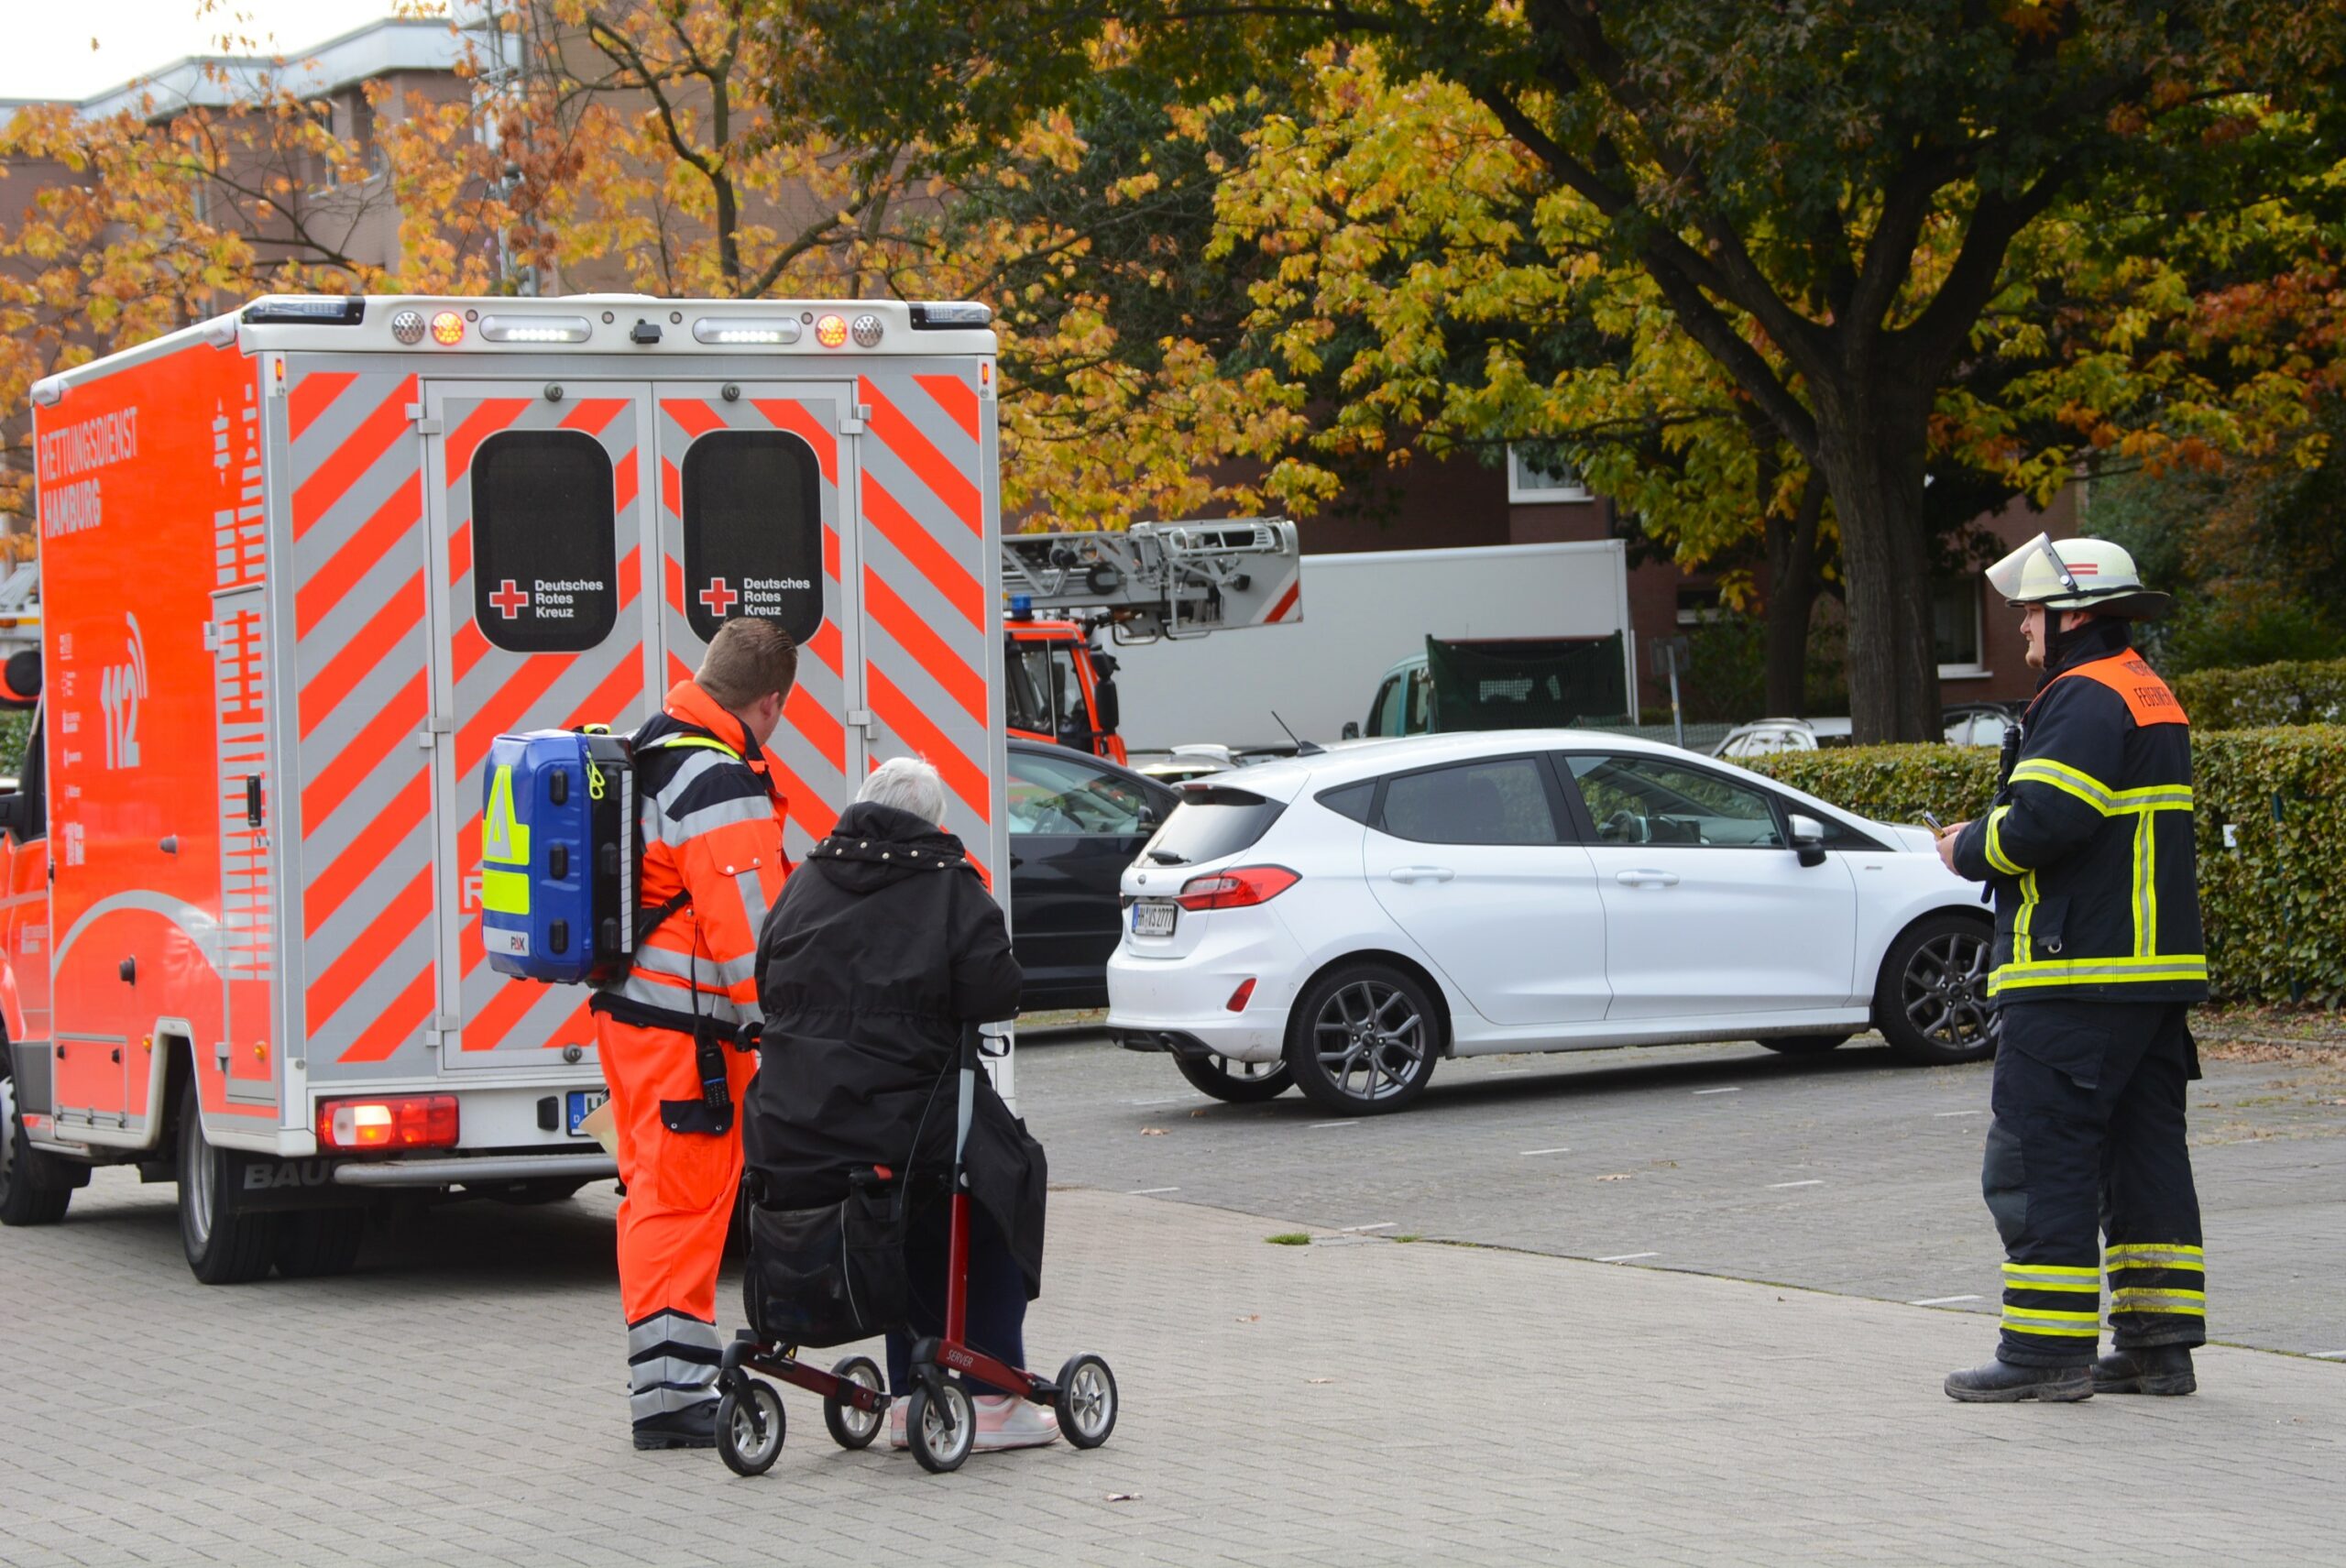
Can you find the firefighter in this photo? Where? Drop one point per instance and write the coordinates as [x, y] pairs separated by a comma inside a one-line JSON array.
[[2097, 957], [677, 1032]]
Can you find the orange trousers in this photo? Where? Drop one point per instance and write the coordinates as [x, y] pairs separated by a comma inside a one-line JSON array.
[[680, 1186]]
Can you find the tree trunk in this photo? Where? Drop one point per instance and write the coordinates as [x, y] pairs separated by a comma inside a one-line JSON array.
[[1791, 599], [1871, 444]]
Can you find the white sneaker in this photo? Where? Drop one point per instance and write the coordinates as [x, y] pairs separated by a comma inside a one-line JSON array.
[[1006, 1423], [898, 1438]]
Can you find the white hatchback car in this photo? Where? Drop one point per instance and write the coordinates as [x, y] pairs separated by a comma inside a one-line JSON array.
[[1340, 920]]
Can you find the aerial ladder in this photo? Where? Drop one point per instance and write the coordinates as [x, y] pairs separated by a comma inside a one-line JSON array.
[[1151, 581]]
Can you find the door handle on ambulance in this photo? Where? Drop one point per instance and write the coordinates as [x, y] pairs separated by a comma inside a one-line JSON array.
[[1646, 879], [1423, 873]]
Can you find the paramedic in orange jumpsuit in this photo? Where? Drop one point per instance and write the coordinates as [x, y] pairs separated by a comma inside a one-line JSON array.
[[677, 1032]]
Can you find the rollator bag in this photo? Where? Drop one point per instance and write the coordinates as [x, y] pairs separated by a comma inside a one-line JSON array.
[[827, 1276], [559, 856]]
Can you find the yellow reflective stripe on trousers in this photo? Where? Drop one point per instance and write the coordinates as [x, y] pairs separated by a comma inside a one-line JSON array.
[[2157, 1298], [2154, 1254], [2077, 1281], [1996, 856], [2028, 1320], [2158, 969]]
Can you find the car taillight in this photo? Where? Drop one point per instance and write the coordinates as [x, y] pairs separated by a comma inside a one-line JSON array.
[[394, 1122], [1240, 997], [1236, 889]]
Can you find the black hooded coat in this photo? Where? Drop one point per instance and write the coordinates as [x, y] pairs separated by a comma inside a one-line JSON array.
[[882, 944]]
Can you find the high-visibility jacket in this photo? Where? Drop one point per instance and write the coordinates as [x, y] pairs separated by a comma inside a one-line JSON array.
[[2090, 845], [711, 825]]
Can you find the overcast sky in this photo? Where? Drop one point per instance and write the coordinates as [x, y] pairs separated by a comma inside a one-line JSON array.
[[47, 51]]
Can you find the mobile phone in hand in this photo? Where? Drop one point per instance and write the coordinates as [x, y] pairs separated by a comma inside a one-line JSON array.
[[1934, 824]]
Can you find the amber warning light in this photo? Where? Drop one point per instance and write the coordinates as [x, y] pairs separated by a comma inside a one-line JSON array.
[[831, 332], [397, 1122], [447, 329]]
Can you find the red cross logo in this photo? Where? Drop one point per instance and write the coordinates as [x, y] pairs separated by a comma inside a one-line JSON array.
[[510, 599], [719, 597]]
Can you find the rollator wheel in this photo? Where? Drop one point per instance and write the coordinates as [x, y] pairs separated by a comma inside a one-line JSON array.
[[942, 1430], [750, 1428], [1086, 1400], [851, 1428]]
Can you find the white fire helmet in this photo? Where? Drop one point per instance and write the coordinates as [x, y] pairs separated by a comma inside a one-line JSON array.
[[2078, 574]]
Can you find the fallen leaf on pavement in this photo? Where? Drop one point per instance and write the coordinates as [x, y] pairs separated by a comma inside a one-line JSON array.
[[1319, 1380], [1251, 1317], [1618, 1176], [1123, 1497], [1152, 1132]]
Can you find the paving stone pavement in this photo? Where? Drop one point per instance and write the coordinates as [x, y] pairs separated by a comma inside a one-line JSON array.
[[1351, 1402]]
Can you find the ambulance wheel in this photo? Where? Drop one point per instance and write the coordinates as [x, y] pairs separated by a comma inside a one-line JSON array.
[[851, 1428], [1086, 1402], [317, 1244], [750, 1428], [35, 1188], [223, 1246], [942, 1430]]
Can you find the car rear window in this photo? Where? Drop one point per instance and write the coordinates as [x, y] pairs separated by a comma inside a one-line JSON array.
[[1211, 821]]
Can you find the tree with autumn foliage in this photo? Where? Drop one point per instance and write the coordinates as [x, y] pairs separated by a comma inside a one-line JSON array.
[[1826, 195]]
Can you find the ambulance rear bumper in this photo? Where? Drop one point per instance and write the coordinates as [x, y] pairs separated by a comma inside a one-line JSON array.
[[460, 1172]]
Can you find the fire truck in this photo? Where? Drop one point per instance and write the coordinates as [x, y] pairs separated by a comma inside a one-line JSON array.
[[300, 565], [1155, 581]]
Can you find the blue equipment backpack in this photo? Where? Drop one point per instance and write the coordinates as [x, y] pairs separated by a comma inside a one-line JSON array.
[[558, 850]]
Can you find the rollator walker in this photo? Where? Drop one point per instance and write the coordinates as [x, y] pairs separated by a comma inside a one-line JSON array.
[[941, 1418]]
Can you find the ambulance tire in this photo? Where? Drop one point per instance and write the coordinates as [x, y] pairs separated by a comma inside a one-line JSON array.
[[318, 1243], [35, 1188], [223, 1246]]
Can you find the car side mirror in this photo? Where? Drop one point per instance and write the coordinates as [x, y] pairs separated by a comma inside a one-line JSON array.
[[1808, 838], [1352, 729]]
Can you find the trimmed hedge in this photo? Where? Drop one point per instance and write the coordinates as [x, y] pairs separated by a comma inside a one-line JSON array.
[[2288, 692], [2275, 907]]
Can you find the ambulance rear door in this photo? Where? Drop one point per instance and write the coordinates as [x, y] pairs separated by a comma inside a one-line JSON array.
[[539, 525], [757, 481]]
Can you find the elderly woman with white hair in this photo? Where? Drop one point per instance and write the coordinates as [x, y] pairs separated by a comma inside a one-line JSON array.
[[883, 946]]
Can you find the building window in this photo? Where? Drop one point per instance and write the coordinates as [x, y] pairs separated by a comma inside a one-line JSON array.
[[1527, 484], [1955, 628], [1699, 606]]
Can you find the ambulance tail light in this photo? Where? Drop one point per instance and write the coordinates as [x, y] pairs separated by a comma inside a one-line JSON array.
[[1241, 888], [388, 1124], [745, 330], [536, 329]]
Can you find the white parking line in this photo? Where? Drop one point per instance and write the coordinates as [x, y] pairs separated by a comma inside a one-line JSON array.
[[2330, 1356], [1718, 1091], [1941, 1301], [1344, 1123], [1380, 1225], [1149, 1192], [1628, 1256], [1528, 1152], [1936, 1114], [1177, 1100], [1503, 1071], [1812, 1181]]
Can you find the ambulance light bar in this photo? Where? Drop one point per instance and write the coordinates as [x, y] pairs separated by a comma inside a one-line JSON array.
[[309, 309], [744, 329], [536, 329], [946, 317], [396, 1122]]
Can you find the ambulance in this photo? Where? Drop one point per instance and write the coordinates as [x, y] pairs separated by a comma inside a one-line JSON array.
[[300, 565]]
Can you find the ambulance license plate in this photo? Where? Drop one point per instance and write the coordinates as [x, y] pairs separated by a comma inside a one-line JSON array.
[[1155, 917], [583, 1102]]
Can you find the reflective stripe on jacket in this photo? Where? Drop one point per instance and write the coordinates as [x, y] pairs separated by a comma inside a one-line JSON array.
[[712, 829], [2089, 847]]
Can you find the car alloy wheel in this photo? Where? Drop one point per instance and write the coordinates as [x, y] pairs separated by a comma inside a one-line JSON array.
[[1933, 1004], [1365, 1040]]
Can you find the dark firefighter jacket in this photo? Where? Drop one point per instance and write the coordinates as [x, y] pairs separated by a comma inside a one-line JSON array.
[[2089, 844], [882, 945]]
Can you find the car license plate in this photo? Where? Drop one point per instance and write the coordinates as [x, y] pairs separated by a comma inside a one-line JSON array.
[[1155, 917], [583, 1102]]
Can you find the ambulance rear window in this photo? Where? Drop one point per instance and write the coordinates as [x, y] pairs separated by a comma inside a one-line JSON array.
[[754, 532], [546, 552]]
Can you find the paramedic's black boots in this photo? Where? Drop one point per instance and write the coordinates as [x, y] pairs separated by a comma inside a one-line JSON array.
[[694, 1428], [2159, 1369], [2001, 1383]]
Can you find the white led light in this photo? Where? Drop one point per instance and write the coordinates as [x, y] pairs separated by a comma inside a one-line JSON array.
[[536, 329], [745, 329]]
